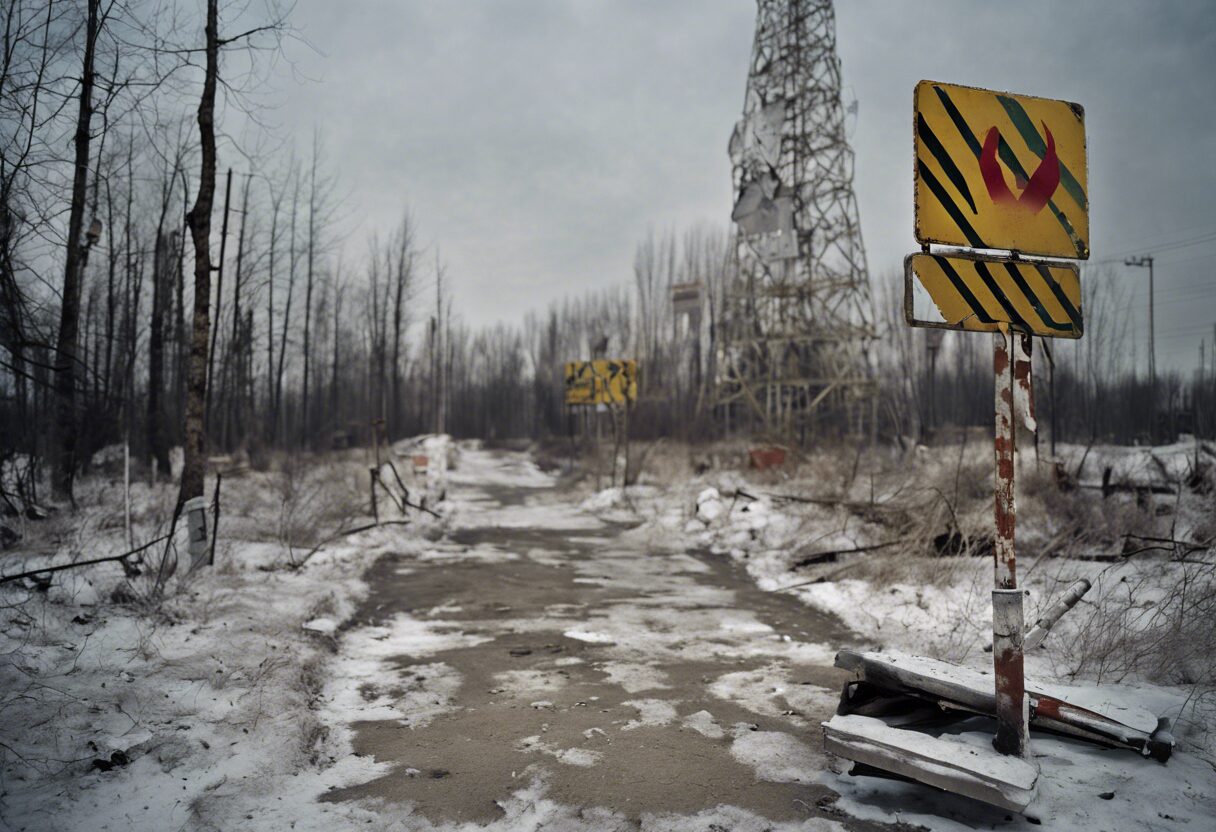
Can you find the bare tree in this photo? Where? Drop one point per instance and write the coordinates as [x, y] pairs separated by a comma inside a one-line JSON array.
[[64, 447], [199, 221], [403, 278]]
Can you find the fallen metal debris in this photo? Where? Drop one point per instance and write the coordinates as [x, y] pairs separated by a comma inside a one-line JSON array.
[[947, 762], [894, 703]]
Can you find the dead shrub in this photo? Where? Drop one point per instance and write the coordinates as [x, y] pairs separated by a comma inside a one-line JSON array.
[[1157, 621]]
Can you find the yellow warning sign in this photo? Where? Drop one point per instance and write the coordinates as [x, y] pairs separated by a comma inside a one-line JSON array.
[[979, 294], [603, 381], [1000, 171]]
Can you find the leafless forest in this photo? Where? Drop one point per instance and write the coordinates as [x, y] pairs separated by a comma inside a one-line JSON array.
[[170, 283]]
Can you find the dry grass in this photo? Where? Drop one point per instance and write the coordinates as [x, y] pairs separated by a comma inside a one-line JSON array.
[[1151, 616]]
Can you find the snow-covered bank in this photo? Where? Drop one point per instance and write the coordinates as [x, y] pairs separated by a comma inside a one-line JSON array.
[[122, 711]]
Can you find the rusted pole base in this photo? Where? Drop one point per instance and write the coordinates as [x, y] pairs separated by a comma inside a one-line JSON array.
[[1012, 709]]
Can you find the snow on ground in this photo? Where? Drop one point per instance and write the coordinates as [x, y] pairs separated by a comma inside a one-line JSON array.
[[634, 677], [119, 712], [942, 607], [775, 755], [234, 696]]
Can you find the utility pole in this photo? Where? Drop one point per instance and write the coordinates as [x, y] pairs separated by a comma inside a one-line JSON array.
[[1152, 341]]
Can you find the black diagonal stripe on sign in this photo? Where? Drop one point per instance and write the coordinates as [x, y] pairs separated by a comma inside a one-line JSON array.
[[964, 290], [959, 122], [1015, 273], [1015, 317], [1074, 314], [944, 198], [943, 158]]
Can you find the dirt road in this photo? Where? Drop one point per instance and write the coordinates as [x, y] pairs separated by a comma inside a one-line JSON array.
[[538, 656]]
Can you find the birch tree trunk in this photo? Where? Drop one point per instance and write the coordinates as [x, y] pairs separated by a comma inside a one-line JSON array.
[[199, 221]]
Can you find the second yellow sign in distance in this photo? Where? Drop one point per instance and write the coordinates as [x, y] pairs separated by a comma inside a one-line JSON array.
[[602, 381], [996, 170]]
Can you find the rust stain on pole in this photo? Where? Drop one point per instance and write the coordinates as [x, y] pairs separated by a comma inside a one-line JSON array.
[[1001, 357], [1012, 734], [1005, 564]]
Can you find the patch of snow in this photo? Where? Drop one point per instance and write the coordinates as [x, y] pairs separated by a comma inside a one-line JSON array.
[[634, 677], [581, 757], [652, 713], [709, 506], [588, 636], [703, 723], [769, 691], [775, 755], [324, 626]]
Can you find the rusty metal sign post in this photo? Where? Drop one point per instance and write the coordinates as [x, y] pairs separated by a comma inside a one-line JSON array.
[[1008, 618], [1004, 177], [963, 198]]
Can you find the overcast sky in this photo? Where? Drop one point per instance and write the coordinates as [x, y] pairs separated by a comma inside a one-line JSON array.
[[536, 142]]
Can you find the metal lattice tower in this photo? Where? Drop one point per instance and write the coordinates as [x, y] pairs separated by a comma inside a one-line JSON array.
[[798, 318]]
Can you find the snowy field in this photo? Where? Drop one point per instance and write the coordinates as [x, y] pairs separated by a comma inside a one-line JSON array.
[[236, 700], [867, 547]]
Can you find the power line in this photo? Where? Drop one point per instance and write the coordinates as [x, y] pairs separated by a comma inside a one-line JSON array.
[[1145, 242], [1169, 246]]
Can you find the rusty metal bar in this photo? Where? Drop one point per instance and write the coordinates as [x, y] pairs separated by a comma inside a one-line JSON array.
[[1008, 619], [1036, 634]]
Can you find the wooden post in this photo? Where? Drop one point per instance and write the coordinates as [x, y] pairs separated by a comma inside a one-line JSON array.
[[126, 488], [375, 512]]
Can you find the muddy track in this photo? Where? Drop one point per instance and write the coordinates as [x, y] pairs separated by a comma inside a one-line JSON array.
[[628, 680]]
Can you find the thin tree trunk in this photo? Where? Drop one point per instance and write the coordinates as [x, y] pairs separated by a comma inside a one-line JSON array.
[[333, 386], [158, 449], [234, 355], [271, 412], [64, 446], [403, 272], [219, 299], [291, 283], [305, 410], [179, 324], [199, 220]]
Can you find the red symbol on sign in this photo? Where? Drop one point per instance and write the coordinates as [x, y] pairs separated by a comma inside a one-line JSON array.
[[1043, 182]]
